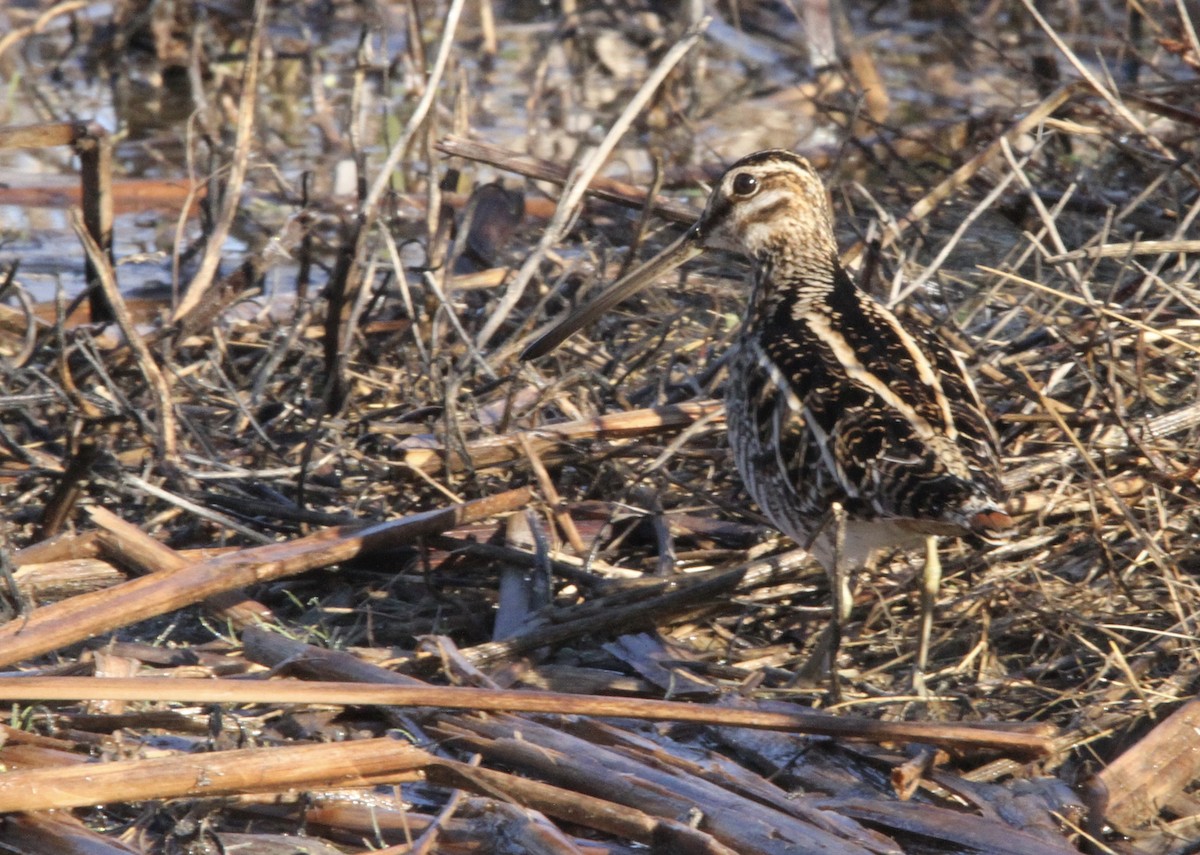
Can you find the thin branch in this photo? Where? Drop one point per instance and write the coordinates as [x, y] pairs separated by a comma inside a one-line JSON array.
[[247, 104], [577, 187]]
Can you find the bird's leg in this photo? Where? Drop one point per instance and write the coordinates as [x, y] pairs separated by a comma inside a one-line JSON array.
[[825, 651], [843, 602], [930, 583]]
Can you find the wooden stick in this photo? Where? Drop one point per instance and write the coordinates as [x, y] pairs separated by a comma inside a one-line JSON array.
[[221, 773], [608, 189], [508, 448], [589, 166], [129, 544], [87, 615], [166, 440], [960, 176], [40, 833], [580, 808], [1152, 771], [306, 692], [214, 248]]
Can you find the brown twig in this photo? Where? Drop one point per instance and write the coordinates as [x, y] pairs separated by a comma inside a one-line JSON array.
[[538, 169], [247, 105], [553, 438], [166, 442], [82, 617], [568, 204], [130, 545], [561, 515], [963, 736], [222, 773], [960, 176]]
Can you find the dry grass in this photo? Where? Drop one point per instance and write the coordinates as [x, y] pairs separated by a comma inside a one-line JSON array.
[[1049, 235]]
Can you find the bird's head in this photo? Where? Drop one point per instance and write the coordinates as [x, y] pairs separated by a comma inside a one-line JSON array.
[[771, 203], [769, 206]]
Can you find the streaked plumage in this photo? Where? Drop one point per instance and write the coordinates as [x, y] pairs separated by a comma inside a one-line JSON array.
[[831, 400]]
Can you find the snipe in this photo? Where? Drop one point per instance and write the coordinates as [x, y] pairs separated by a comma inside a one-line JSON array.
[[852, 432]]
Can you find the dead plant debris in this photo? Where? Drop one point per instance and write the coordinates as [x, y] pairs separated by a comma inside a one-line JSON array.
[[302, 558]]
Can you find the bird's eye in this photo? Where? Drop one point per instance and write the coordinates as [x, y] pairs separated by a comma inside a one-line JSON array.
[[744, 184]]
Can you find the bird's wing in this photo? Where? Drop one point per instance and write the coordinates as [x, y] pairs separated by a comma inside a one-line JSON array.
[[861, 412]]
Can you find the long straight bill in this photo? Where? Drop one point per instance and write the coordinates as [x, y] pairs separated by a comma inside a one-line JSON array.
[[677, 253]]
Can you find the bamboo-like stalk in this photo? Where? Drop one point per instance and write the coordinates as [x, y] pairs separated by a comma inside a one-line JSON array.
[[1036, 741], [221, 773], [86, 615]]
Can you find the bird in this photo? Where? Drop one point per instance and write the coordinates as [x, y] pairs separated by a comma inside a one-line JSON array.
[[854, 433]]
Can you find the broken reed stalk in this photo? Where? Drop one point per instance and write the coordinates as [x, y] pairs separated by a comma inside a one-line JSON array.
[[1146, 775], [702, 593], [221, 773], [61, 547], [58, 580], [608, 189], [166, 443], [553, 438], [750, 816], [568, 204], [963, 174], [1124, 249], [94, 148], [214, 249], [959, 736], [666, 834], [69, 488], [131, 546], [82, 617], [566, 525], [289, 656]]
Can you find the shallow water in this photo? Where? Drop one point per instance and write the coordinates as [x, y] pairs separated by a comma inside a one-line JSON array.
[[549, 87]]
